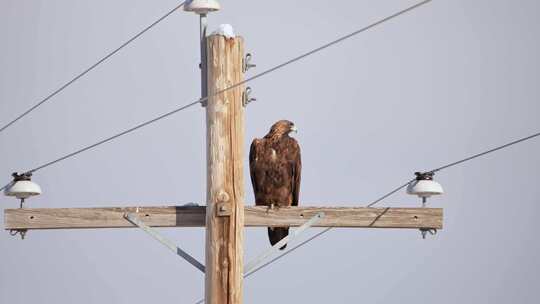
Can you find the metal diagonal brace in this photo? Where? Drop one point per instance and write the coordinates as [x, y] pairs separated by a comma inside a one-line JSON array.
[[133, 218], [253, 264]]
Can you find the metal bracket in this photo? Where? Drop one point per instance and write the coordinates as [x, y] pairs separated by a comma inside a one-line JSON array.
[[223, 209], [246, 64], [253, 264], [246, 98], [425, 231], [204, 103], [21, 232], [134, 219]]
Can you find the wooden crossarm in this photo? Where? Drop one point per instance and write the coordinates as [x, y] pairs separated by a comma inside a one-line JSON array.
[[194, 216]]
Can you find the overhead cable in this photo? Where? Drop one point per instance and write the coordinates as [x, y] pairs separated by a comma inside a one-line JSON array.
[[485, 152], [403, 186], [202, 100], [80, 75]]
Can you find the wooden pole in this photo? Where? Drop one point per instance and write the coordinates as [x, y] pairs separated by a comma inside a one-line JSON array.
[[225, 181]]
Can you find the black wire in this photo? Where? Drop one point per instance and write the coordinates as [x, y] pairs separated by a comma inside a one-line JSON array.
[[237, 85], [396, 190], [341, 39], [486, 152], [294, 60], [113, 137], [390, 193], [459, 162], [7, 185], [288, 251], [90, 68], [201, 100], [280, 256]]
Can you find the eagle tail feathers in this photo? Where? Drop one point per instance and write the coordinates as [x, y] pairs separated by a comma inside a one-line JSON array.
[[276, 234]]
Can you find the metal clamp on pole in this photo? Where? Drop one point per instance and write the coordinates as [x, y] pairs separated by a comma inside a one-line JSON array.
[[425, 231], [246, 97], [246, 64], [253, 264], [21, 232], [134, 219]]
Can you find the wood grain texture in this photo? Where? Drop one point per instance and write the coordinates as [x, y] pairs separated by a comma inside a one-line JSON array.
[[225, 181], [347, 217], [112, 217], [73, 218]]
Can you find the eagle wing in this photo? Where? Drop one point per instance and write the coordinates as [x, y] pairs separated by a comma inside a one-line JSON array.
[[252, 158], [269, 175], [296, 165]]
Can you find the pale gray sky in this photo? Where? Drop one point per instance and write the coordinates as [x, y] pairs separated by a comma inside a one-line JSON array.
[[450, 79]]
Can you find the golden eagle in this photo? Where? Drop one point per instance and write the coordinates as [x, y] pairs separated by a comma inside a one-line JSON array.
[[275, 165]]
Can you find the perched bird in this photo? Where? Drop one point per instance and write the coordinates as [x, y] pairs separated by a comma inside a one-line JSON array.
[[275, 165]]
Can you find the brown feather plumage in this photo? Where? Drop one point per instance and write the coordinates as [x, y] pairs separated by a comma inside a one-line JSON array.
[[275, 166]]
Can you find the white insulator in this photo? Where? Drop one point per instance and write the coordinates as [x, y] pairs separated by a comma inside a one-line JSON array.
[[425, 188], [23, 189], [201, 7]]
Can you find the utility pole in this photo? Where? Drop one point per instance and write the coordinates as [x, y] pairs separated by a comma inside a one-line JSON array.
[[225, 180], [224, 216], [222, 66]]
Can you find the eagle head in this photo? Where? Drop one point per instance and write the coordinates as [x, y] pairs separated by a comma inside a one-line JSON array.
[[281, 128]]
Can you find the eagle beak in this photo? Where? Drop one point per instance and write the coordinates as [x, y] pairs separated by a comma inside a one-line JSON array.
[[294, 129]]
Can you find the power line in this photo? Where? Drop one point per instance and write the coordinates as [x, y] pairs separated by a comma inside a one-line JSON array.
[[5, 186], [389, 193], [486, 152], [279, 256], [341, 39], [112, 137], [109, 55], [517, 141], [403, 186], [201, 100], [297, 59], [288, 251]]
